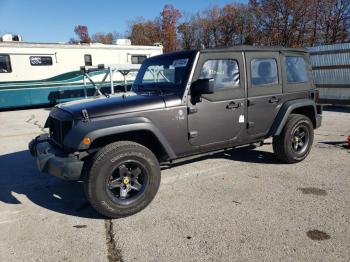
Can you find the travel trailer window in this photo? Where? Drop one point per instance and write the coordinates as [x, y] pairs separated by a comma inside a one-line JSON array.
[[40, 60], [5, 64], [88, 60], [138, 59]]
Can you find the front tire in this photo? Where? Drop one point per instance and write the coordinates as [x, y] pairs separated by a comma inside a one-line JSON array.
[[123, 179], [295, 141]]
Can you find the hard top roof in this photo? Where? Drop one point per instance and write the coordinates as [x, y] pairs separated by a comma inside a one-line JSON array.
[[250, 48], [238, 48]]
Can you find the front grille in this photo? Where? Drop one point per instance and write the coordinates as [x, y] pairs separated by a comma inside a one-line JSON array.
[[58, 129]]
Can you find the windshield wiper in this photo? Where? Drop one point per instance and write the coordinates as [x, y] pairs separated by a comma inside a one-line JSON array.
[[138, 87], [159, 89], [149, 89]]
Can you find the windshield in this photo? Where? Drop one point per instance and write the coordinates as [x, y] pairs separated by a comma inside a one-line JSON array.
[[165, 73]]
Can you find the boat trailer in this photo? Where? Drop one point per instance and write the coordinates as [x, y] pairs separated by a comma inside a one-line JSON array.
[[110, 70]]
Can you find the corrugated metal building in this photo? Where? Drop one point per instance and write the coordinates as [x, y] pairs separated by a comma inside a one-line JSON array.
[[331, 70]]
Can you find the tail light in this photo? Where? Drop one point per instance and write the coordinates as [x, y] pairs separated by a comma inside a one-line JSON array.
[[348, 141], [317, 95]]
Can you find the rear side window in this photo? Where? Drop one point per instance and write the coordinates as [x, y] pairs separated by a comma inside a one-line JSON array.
[[296, 69], [224, 71], [138, 59], [40, 60], [264, 72], [88, 60], [5, 64]]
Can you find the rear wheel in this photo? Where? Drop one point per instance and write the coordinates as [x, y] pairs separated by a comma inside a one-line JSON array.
[[295, 141], [123, 179]]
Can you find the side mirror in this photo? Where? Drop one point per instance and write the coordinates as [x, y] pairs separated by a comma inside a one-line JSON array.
[[203, 86]]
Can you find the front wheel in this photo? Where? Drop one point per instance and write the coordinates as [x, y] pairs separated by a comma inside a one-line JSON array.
[[295, 141], [123, 179]]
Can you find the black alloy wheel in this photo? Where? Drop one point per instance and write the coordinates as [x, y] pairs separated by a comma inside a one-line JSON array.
[[127, 182]]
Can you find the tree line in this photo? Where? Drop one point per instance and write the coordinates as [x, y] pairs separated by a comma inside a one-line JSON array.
[[83, 36], [292, 23]]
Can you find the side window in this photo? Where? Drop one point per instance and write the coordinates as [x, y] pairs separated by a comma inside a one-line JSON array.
[[138, 59], [40, 60], [295, 69], [224, 71], [5, 64], [88, 60], [264, 71]]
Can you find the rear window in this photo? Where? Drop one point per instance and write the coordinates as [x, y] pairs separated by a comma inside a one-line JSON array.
[[264, 71], [40, 60], [296, 69], [5, 64]]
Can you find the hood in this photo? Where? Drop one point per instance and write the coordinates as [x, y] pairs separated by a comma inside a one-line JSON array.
[[115, 104]]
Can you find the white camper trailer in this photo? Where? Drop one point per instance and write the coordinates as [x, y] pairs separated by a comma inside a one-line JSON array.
[[38, 74]]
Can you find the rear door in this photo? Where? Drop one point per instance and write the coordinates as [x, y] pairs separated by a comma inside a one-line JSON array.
[[264, 91], [219, 116]]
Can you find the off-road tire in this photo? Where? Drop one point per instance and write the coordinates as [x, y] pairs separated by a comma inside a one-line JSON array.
[[282, 144], [108, 158]]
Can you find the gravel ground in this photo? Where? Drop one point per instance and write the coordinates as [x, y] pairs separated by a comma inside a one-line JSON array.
[[241, 205]]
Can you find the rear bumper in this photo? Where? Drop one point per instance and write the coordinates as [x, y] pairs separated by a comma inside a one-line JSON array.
[[318, 121], [319, 109], [54, 161]]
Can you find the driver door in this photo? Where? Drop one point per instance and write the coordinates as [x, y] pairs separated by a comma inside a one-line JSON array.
[[218, 117]]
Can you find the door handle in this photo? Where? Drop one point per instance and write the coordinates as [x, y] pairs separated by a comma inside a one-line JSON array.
[[233, 105], [273, 100]]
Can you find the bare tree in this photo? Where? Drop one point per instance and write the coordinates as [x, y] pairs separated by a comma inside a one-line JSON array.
[[105, 38], [82, 33], [260, 22], [143, 32]]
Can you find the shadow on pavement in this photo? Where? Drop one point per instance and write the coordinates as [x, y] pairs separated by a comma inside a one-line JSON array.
[[45, 107], [19, 175], [338, 109], [339, 144], [243, 154]]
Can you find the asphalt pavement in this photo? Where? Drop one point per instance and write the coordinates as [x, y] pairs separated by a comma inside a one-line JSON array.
[[239, 205]]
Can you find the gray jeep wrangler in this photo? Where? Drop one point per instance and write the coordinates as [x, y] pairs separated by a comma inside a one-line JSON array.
[[181, 104]]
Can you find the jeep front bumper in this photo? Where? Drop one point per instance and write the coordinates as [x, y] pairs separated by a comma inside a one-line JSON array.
[[54, 161]]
